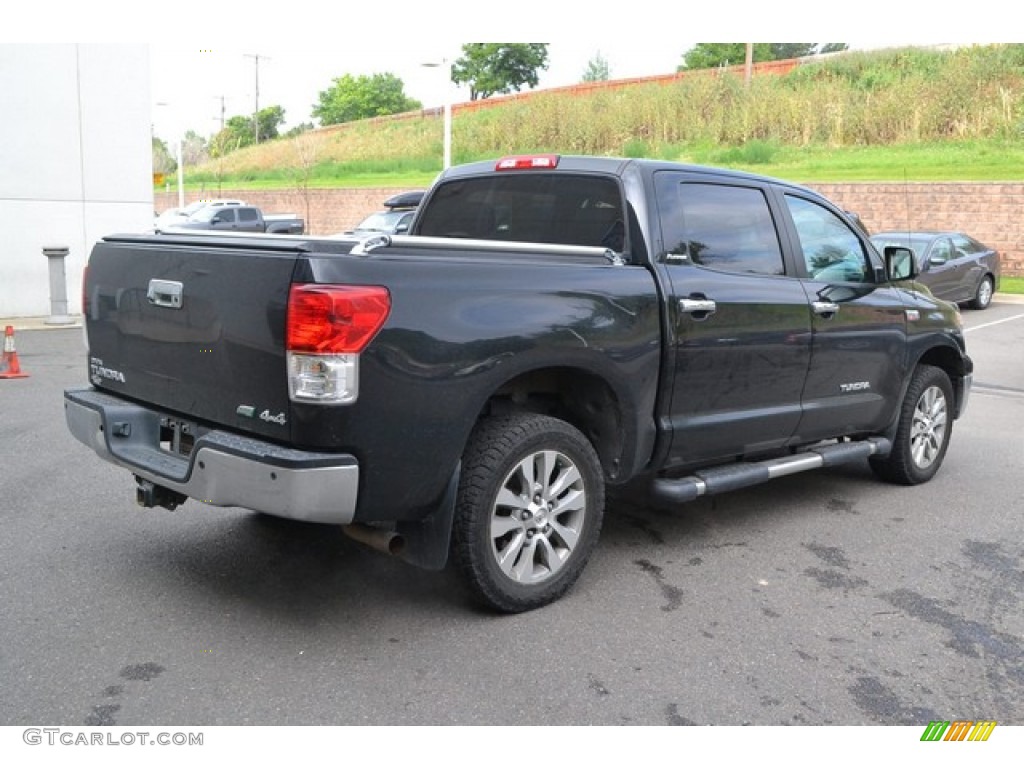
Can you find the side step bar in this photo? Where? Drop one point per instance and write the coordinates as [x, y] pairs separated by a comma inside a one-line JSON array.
[[731, 477]]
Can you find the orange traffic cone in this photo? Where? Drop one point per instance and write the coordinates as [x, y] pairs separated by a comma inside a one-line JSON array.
[[10, 368]]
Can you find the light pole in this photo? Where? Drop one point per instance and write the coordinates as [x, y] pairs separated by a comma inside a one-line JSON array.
[[181, 174], [180, 162], [445, 67]]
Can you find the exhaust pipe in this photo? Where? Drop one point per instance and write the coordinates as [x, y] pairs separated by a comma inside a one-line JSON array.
[[381, 539]]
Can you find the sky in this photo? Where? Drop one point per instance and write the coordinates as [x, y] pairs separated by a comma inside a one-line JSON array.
[[192, 81], [203, 56]]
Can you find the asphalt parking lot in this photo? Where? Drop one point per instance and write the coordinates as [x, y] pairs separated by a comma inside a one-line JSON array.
[[826, 598]]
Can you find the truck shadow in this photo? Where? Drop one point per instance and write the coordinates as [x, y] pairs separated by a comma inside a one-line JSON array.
[[301, 572], [305, 572]]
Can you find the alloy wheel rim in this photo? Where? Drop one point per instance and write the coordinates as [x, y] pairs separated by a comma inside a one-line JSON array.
[[985, 292], [537, 517], [928, 430]]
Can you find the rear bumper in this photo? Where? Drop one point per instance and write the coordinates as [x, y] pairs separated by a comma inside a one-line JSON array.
[[224, 468]]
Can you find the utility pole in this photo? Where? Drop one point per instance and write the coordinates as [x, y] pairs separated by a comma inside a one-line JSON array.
[[256, 114], [221, 99]]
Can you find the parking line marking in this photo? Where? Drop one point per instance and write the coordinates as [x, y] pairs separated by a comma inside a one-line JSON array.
[[994, 322]]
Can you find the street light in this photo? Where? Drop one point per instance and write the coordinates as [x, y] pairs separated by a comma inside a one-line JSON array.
[[446, 68], [181, 164]]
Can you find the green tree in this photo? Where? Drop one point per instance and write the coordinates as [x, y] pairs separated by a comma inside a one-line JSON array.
[[269, 121], [163, 161], [710, 55], [239, 131], [194, 149], [357, 98], [490, 68], [782, 51], [299, 129], [597, 70]]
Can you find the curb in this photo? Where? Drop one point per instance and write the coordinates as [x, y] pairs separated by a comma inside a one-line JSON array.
[[1008, 298], [40, 323]]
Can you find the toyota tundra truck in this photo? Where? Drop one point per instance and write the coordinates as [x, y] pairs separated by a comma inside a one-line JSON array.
[[550, 327]]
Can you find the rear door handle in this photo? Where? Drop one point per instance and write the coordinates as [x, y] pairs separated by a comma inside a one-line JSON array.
[[696, 306], [826, 309]]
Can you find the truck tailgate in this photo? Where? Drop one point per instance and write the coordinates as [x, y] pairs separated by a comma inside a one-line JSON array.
[[172, 319]]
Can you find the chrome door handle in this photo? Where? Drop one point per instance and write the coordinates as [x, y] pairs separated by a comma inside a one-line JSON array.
[[826, 309], [694, 306]]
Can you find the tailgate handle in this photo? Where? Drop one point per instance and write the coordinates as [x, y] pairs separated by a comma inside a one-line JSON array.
[[165, 293]]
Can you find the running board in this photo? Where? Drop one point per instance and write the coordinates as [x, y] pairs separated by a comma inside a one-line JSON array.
[[731, 477]]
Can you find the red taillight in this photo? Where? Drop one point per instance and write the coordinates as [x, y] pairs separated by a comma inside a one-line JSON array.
[[335, 319], [521, 162]]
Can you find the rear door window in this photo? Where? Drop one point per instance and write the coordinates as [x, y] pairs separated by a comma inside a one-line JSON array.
[[722, 227]]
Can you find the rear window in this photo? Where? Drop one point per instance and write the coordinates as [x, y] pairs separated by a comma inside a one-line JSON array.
[[559, 209]]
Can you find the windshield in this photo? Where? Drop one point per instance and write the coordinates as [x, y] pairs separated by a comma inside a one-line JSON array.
[[206, 214], [192, 208], [385, 221], [916, 243]]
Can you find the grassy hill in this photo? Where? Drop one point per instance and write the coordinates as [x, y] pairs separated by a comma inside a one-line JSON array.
[[905, 114]]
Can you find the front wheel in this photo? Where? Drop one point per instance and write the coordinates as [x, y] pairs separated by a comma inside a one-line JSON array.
[[923, 432], [529, 510]]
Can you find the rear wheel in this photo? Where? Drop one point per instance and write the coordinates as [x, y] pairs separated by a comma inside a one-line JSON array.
[[529, 510], [983, 296], [922, 436]]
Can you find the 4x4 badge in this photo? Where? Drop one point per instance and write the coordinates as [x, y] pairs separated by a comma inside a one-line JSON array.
[[278, 419]]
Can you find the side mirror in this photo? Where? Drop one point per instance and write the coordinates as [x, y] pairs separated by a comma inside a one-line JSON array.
[[899, 263], [937, 261]]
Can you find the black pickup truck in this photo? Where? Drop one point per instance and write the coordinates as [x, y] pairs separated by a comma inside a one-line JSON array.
[[552, 326]]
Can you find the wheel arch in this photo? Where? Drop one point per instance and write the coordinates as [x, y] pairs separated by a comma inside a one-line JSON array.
[[580, 397], [954, 364]]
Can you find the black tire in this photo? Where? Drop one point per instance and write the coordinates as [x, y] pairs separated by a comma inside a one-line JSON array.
[[923, 432], [518, 548], [983, 296]]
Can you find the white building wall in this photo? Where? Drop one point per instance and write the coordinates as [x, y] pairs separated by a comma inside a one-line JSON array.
[[75, 161]]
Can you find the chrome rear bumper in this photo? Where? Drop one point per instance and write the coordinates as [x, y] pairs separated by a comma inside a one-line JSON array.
[[223, 468]]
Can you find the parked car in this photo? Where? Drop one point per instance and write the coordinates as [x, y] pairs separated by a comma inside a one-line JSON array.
[[401, 209], [952, 265], [173, 217], [243, 218]]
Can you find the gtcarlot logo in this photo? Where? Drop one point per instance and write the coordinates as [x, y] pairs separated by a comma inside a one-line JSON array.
[[70, 738]]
